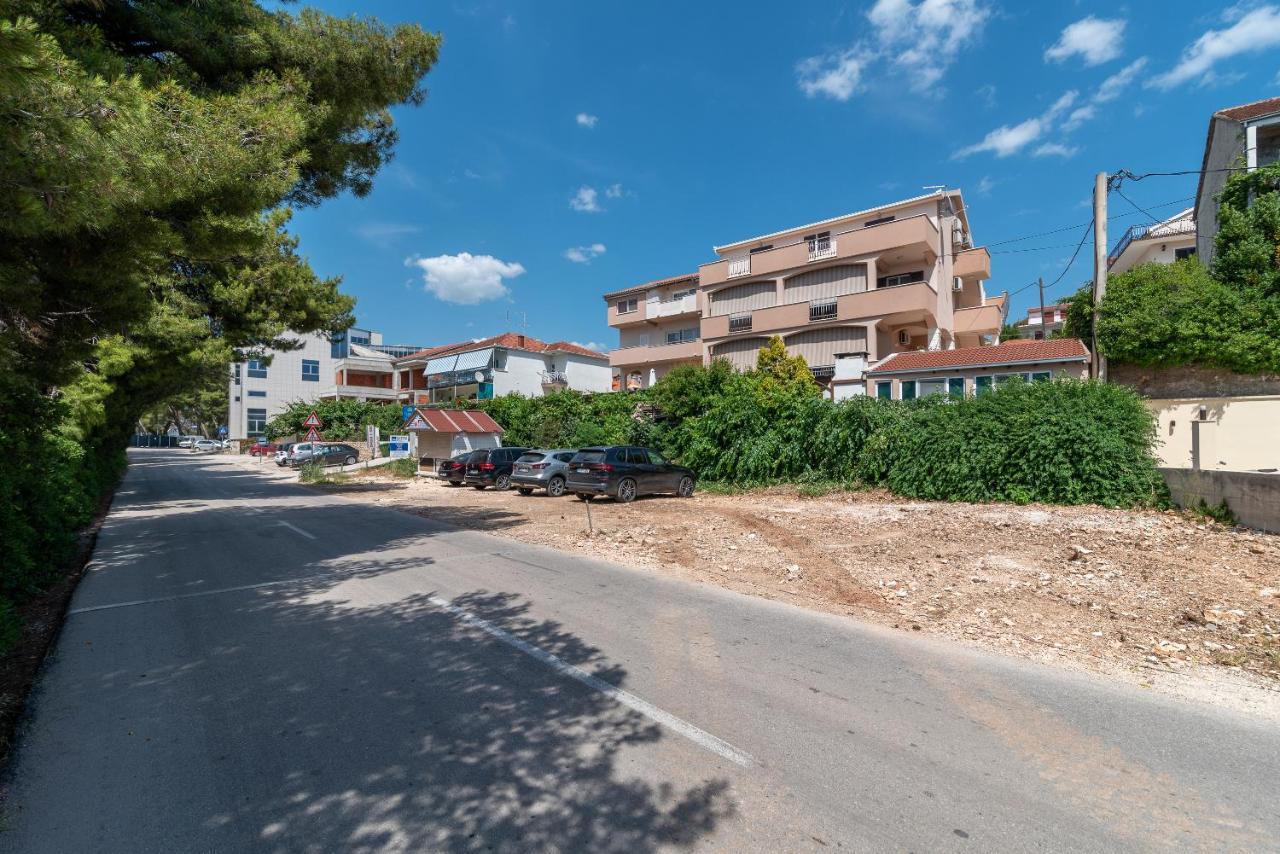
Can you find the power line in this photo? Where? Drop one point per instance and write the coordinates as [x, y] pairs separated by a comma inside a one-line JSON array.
[[1078, 225]]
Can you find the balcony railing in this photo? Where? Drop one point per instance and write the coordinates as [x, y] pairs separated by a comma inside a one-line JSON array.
[[1139, 232], [740, 323], [819, 249], [739, 267], [822, 310], [555, 378]]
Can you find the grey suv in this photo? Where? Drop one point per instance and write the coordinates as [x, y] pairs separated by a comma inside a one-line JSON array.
[[542, 468]]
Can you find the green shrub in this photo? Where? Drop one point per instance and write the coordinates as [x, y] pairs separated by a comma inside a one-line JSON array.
[[1066, 442], [402, 468]]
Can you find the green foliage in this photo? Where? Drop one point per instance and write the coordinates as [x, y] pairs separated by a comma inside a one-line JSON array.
[[784, 371], [1065, 442], [148, 151], [564, 419], [1178, 314], [1009, 332], [1220, 512], [404, 468], [313, 473], [1079, 322], [1227, 317], [343, 420]]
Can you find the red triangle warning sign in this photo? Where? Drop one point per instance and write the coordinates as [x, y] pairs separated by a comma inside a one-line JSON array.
[[313, 420], [313, 435], [417, 422]]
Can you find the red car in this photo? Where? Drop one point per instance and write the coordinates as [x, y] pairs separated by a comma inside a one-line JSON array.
[[260, 447]]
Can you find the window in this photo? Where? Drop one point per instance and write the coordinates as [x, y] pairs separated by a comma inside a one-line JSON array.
[[908, 389], [500, 359], [637, 456], [311, 370], [981, 385], [626, 306], [819, 242], [257, 370], [688, 292], [237, 373], [1185, 252], [257, 419], [1041, 377], [955, 386], [677, 336], [764, 248], [257, 394], [880, 221], [884, 389], [565, 457], [655, 458], [1001, 379], [900, 279], [928, 387], [1039, 336]]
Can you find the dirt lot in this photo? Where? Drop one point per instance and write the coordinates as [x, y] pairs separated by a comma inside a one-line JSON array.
[[1193, 606]]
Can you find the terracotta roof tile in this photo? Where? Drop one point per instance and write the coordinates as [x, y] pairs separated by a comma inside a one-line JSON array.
[[1022, 350], [457, 421], [656, 283], [1257, 109], [510, 340]]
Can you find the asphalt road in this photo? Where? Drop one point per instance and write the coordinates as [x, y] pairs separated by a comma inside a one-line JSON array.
[[250, 666]]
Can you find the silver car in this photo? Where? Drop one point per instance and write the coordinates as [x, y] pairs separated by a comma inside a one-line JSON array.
[[541, 468]]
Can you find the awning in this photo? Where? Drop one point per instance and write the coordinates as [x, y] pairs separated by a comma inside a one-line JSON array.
[[442, 365], [474, 360]]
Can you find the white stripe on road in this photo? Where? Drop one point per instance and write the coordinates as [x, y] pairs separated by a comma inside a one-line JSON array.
[[296, 530], [698, 736]]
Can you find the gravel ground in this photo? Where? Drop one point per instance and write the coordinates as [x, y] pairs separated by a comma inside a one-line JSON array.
[[1179, 604]]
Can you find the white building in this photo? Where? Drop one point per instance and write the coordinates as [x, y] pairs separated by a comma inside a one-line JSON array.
[[1162, 243], [353, 364], [510, 363], [1250, 132]]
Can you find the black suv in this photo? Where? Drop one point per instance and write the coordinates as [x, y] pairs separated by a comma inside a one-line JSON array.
[[625, 472], [492, 467]]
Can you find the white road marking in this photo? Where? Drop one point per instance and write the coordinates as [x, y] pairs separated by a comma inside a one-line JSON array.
[[698, 736], [297, 530]]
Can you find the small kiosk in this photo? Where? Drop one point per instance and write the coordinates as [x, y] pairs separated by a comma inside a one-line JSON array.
[[437, 434]]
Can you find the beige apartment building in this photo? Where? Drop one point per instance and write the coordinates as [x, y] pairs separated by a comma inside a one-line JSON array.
[[844, 293]]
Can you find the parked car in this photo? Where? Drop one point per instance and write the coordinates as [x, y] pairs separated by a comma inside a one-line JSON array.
[[282, 453], [626, 472], [206, 446], [454, 469], [492, 467], [543, 468], [325, 454], [261, 447], [187, 441]]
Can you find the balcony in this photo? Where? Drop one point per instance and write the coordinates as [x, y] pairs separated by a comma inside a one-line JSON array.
[[739, 323], [555, 379], [910, 236], [973, 264], [658, 309], [822, 311], [685, 351], [979, 320]]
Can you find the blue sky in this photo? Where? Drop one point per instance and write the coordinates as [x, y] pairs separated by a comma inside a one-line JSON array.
[[568, 149]]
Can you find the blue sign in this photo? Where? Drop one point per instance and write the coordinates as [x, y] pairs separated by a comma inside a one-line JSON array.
[[406, 412], [398, 447], [222, 431]]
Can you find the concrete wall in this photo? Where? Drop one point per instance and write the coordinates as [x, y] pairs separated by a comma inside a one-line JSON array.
[[1221, 433], [585, 374], [523, 374], [1226, 146], [1253, 497]]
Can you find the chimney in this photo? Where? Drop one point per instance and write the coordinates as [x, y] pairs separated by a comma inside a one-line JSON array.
[[520, 341]]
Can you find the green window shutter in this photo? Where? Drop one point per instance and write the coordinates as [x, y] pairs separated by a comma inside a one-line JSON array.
[[982, 385], [908, 389], [955, 386]]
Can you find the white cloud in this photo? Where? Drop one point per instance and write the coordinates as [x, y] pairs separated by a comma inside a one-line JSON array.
[[1110, 89], [590, 345], [615, 191], [584, 254], [1255, 31], [1095, 40], [987, 92], [464, 278], [835, 75], [1055, 149], [586, 200], [920, 40], [986, 185], [586, 120], [1006, 140]]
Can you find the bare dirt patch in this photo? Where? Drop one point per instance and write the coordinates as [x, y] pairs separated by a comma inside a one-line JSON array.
[[1158, 594]]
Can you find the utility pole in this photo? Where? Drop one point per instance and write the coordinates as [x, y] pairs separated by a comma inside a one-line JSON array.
[[1043, 325], [1099, 267]]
